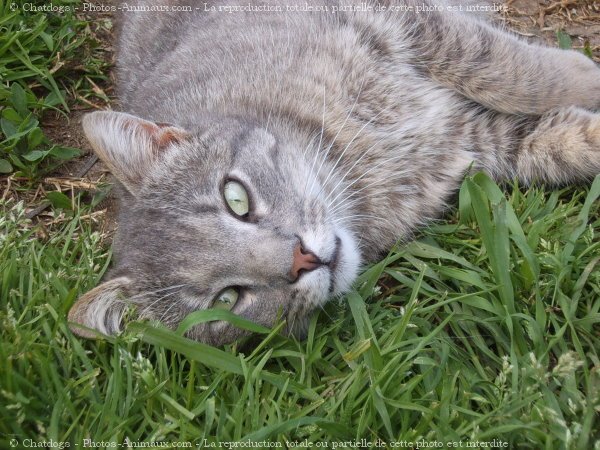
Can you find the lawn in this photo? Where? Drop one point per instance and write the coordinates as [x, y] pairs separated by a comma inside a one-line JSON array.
[[483, 332]]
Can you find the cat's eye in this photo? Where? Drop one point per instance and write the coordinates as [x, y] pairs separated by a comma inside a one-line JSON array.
[[226, 299], [236, 197]]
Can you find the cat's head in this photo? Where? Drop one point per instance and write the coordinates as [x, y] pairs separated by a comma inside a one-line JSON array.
[[225, 217]]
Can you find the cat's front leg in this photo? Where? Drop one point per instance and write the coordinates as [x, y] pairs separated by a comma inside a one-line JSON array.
[[495, 68]]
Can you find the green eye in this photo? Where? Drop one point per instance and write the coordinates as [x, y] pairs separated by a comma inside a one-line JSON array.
[[236, 197], [226, 299]]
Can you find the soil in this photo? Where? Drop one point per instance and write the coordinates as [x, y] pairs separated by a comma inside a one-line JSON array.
[[536, 20]]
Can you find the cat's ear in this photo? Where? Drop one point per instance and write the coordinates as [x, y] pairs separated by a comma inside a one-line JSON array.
[[128, 145], [100, 309]]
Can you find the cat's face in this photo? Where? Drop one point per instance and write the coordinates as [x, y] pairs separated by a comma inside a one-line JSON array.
[[227, 218]]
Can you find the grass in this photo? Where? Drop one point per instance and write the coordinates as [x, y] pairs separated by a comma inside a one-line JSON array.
[[482, 332], [45, 61], [484, 328]]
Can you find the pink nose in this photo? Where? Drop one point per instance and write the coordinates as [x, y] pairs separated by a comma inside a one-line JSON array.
[[303, 260]]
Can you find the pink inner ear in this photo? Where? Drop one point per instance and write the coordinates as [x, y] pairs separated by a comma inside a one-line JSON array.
[[162, 134], [169, 135]]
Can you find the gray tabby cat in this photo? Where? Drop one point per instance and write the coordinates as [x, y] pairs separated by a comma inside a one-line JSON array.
[[305, 144]]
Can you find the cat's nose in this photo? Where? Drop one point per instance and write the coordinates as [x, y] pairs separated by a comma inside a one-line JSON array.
[[303, 260]]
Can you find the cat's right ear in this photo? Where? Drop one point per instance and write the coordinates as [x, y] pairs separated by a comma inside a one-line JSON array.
[[100, 309], [128, 145]]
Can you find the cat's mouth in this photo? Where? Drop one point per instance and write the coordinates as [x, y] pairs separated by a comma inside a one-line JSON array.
[[333, 263]]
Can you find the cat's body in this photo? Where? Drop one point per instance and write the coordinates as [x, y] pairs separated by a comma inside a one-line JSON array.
[[347, 131]]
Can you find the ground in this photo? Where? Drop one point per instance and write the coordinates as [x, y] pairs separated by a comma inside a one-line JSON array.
[[483, 332], [579, 19]]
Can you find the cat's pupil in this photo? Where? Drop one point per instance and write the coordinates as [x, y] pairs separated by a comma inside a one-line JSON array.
[[236, 197]]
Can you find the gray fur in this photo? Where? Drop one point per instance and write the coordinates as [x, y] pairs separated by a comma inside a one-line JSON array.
[[353, 127]]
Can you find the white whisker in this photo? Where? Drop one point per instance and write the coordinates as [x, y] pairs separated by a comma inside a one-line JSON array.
[[318, 148], [146, 293], [149, 306], [375, 167], [335, 165], [173, 208], [338, 133], [342, 204], [342, 179], [167, 311]]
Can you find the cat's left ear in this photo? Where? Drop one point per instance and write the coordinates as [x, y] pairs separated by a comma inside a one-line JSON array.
[[128, 145]]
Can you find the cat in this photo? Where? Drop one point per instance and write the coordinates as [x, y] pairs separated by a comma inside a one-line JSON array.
[[263, 158]]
